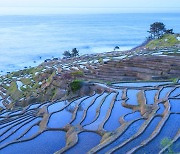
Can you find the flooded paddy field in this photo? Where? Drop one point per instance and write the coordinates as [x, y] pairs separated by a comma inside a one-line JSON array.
[[125, 120]]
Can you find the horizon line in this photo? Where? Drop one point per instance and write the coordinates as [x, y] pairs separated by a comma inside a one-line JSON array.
[[84, 10], [77, 7]]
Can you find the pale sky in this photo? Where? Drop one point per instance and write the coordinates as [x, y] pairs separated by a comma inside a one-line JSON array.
[[88, 6]]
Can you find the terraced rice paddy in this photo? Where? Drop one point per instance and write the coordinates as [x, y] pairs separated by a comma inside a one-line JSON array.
[[130, 119]]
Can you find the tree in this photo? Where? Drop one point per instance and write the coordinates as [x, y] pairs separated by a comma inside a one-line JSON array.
[[157, 30], [67, 54], [74, 52], [169, 31]]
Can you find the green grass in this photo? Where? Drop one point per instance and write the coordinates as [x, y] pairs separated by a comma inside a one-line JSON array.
[[77, 73], [14, 92], [50, 78], [26, 81], [172, 54], [32, 70], [168, 40]]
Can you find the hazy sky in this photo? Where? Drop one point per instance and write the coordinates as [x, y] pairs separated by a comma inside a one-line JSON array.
[[55, 6]]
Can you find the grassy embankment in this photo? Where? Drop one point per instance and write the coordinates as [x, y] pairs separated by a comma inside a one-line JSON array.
[[168, 40]]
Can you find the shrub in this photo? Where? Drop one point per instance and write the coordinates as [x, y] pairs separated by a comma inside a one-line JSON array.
[[116, 48], [174, 80], [100, 60], [167, 142], [75, 85], [108, 83]]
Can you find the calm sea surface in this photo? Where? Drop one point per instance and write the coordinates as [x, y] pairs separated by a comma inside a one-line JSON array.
[[24, 39]]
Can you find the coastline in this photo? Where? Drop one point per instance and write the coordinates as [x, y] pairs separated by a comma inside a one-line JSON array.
[[58, 93], [56, 37], [51, 80]]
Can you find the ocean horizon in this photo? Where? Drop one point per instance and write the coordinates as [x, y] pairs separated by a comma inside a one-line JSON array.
[[27, 40]]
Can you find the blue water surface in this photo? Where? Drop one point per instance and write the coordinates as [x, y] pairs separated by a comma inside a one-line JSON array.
[[31, 39]]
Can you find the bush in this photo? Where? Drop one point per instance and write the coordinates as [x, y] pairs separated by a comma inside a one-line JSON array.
[[116, 48], [108, 83], [174, 80], [100, 60], [167, 142], [76, 85]]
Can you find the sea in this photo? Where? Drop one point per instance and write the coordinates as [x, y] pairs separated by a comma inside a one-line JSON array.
[[27, 40]]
